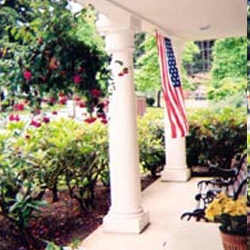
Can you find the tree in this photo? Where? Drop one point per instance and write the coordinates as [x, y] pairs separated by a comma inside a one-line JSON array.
[[229, 70], [229, 59], [147, 73], [48, 59]]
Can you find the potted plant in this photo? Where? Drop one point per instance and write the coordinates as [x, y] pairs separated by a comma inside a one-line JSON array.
[[231, 214]]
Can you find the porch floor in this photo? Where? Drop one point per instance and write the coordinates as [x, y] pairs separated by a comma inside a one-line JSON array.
[[165, 201]]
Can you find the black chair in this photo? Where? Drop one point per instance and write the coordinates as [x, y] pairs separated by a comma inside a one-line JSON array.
[[233, 182]]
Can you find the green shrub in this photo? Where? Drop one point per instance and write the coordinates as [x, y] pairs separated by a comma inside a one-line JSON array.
[[21, 193], [60, 154], [151, 142], [215, 138]]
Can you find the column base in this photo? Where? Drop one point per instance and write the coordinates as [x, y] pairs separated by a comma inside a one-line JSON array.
[[176, 174], [134, 224]]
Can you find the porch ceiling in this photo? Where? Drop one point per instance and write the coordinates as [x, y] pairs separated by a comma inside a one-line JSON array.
[[190, 19]]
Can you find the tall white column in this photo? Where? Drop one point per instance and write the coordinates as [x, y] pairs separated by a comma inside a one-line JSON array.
[[126, 214], [176, 167]]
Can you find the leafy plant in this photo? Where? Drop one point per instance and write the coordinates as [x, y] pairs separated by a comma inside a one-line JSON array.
[[49, 60], [151, 143], [215, 137]]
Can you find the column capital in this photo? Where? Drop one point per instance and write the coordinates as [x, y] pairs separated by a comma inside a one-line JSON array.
[[118, 32], [109, 24]]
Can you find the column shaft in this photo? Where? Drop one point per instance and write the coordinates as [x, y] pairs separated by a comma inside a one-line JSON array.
[[176, 166], [126, 213]]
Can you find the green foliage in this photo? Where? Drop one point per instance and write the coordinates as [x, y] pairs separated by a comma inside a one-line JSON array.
[[62, 153], [151, 141], [229, 70], [190, 50], [215, 137], [20, 192], [48, 57], [147, 73], [229, 59], [228, 87], [53, 246]]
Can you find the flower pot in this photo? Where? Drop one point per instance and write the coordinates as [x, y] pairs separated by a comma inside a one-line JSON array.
[[234, 242]]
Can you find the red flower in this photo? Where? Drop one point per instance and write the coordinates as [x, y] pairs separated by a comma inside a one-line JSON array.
[[77, 79], [82, 104], [51, 100], [81, 70], [27, 136], [63, 100], [27, 75], [90, 120], [40, 40], [95, 93], [106, 103], [13, 117], [54, 113], [125, 70], [19, 107], [37, 111], [101, 115], [77, 98], [104, 121], [46, 119], [35, 124]]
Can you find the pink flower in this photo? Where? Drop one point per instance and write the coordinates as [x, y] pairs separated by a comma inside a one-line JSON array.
[[106, 103], [101, 115], [46, 119], [77, 79], [27, 75], [82, 104], [37, 111], [77, 98], [125, 70], [104, 121], [90, 120], [51, 100], [63, 100], [19, 107], [13, 117], [35, 124], [95, 93]]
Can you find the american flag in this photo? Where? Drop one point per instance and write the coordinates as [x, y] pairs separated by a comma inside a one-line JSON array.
[[172, 90]]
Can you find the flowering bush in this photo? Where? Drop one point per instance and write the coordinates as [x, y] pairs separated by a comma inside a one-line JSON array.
[[230, 213], [50, 62]]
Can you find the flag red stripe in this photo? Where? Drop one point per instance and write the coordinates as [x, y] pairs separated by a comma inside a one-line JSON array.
[[164, 85], [176, 93], [173, 95]]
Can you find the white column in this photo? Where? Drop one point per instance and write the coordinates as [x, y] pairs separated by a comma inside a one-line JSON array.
[[176, 167], [126, 214]]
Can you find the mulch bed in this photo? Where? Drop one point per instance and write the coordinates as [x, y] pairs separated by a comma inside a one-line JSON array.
[[62, 222]]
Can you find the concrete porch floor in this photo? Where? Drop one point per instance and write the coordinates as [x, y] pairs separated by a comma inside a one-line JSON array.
[[165, 201]]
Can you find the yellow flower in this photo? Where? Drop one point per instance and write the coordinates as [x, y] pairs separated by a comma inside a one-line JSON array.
[[223, 204]]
